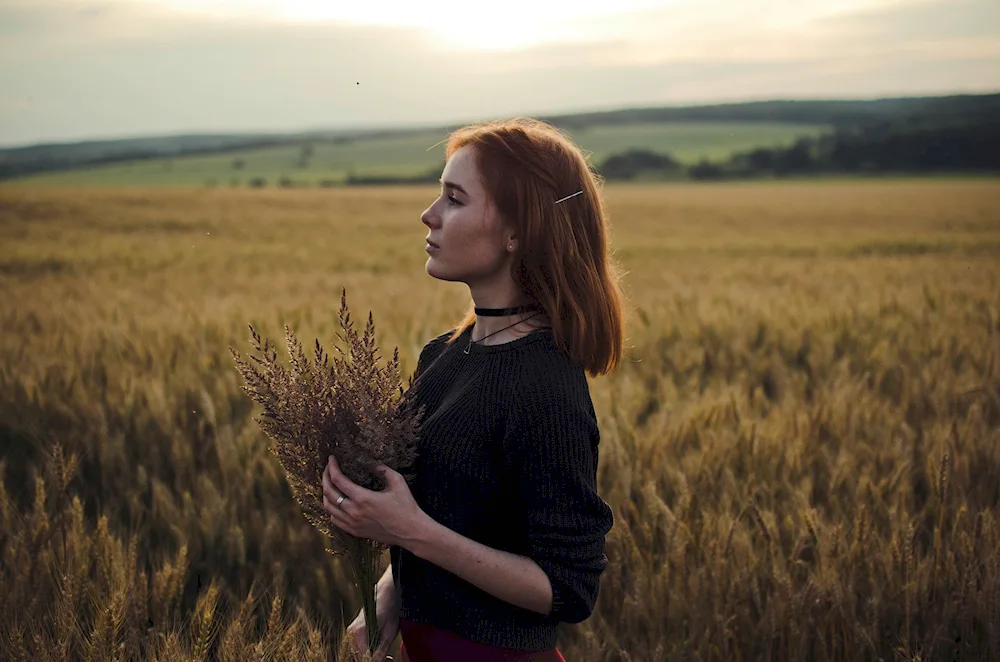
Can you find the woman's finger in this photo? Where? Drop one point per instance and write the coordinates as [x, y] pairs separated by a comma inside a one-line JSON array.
[[328, 502], [341, 482], [341, 521], [331, 507], [329, 492], [326, 482]]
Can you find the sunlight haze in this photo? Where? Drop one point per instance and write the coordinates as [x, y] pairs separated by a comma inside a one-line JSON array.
[[81, 69], [461, 25]]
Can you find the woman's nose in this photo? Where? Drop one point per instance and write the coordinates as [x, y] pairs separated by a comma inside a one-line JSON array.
[[425, 218]]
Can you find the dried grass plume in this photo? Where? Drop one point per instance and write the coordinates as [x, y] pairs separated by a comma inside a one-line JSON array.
[[347, 406]]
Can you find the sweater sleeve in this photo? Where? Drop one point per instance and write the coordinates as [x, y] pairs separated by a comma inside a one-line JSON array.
[[550, 446]]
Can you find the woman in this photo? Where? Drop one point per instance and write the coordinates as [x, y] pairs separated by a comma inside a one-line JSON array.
[[503, 535]]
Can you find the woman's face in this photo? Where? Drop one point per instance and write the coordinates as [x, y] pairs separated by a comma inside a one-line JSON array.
[[467, 242]]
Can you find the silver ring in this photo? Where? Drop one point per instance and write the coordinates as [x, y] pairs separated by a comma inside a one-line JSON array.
[[340, 500]]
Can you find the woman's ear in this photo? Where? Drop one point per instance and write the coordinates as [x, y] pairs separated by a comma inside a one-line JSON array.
[[511, 243]]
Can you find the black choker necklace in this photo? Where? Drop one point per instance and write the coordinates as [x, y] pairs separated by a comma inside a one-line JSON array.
[[504, 312]]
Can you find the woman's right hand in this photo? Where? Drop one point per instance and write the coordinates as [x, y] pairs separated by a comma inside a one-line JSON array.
[[388, 624]]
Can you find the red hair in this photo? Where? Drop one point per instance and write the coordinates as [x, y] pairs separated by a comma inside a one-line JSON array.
[[562, 261]]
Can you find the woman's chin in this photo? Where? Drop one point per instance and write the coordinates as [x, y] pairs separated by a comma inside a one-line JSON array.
[[434, 270]]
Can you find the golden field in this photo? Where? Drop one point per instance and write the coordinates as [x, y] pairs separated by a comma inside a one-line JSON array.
[[802, 448]]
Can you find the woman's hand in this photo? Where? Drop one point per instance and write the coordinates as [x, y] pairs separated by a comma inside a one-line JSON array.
[[387, 616], [391, 516]]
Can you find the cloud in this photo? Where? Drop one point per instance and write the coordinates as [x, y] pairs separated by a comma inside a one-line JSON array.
[[912, 21], [768, 30], [102, 69]]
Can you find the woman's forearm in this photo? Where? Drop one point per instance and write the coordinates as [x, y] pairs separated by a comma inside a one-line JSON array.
[[385, 589], [510, 577], [386, 578]]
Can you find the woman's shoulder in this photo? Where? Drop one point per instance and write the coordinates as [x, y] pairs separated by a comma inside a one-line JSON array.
[[444, 336], [546, 358], [437, 341], [549, 370], [550, 388], [433, 347]]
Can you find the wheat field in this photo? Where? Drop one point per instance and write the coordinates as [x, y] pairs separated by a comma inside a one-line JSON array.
[[802, 448]]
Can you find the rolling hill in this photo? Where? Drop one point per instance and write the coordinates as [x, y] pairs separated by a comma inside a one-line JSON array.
[[689, 134]]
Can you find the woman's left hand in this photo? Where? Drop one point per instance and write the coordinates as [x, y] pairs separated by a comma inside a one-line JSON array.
[[391, 516]]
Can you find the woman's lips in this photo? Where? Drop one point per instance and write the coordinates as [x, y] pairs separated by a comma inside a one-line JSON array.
[[431, 246]]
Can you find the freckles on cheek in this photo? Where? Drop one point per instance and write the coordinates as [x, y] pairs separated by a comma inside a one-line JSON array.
[[458, 237]]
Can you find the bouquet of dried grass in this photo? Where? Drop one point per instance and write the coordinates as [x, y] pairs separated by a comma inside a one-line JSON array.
[[350, 408]]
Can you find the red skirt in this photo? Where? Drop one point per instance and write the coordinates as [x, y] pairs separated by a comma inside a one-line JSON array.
[[426, 643]]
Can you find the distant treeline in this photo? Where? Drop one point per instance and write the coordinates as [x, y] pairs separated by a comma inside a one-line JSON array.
[[910, 146], [842, 115], [937, 138], [915, 145], [428, 177], [946, 135], [879, 149]]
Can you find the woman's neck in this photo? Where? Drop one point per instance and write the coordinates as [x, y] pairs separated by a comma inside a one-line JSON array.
[[507, 327]]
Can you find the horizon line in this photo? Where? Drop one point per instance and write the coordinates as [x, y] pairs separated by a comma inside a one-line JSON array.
[[408, 128]]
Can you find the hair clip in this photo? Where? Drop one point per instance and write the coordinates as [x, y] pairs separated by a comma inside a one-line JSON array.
[[569, 196]]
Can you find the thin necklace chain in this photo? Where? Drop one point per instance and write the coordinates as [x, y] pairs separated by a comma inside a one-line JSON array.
[[469, 346]]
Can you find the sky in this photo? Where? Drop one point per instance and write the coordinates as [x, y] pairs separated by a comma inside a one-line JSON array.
[[92, 69]]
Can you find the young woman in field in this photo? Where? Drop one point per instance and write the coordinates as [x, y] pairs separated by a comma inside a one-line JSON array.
[[503, 535]]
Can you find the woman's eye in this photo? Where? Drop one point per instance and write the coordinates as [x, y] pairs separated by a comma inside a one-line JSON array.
[[452, 200]]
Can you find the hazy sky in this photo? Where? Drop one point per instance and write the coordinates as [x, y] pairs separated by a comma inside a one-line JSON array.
[[77, 69]]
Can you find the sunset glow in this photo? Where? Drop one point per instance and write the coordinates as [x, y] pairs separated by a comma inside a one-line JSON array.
[[74, 68], [515, 24]]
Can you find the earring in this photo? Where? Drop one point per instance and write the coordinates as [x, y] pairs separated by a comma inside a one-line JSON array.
[[510, 247]]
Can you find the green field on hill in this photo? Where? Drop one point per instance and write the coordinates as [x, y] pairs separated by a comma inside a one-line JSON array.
[[412, 154]]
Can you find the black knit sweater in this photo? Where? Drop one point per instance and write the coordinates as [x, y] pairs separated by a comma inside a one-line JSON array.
[[507, 457]]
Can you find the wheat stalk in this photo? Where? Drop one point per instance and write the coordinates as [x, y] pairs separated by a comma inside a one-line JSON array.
[[204, 627]]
